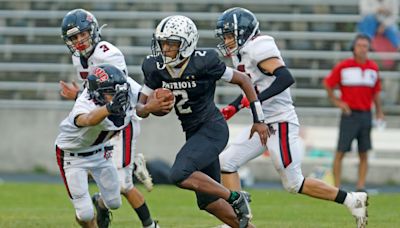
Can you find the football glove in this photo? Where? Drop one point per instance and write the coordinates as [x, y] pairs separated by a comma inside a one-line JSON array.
[[244, 103], [228, 111], [119, 100]]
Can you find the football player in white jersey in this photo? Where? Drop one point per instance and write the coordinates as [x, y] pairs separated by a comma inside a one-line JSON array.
[[82, 145], [81, 34], [258, 56]]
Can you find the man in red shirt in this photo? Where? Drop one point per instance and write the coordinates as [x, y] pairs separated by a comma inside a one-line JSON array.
[[359, 84]]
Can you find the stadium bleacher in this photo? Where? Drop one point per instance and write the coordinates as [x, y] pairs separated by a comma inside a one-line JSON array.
[[312, 34], [312, 37]]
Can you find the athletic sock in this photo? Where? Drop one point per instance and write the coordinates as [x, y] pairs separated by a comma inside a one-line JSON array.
[[341, 196], [233, 196], [150, 226], [144, 215]]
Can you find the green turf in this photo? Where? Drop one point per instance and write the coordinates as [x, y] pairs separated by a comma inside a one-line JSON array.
[[47, 205]]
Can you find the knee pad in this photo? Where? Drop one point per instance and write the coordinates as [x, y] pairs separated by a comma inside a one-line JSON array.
[[229, 166], [113, 203], [126, 186], [85, 214], [125, 178], [292, 181], [294, 186]]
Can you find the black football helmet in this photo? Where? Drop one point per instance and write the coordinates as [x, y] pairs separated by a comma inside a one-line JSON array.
[[107, 79], [241, 23], [77, 21]]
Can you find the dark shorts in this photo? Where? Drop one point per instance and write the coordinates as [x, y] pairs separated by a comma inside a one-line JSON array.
[[356, 126], [201, 153]]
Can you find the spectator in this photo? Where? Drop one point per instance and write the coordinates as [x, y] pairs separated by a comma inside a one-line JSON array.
[[379, 17], [359, 83]]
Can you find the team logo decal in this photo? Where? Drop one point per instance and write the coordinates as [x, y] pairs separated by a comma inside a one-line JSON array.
[[89, 18], [101, 74]]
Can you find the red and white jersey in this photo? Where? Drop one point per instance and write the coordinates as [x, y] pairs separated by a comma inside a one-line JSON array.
[[84, 139], [278, 108], [104, 52], [358, 83]]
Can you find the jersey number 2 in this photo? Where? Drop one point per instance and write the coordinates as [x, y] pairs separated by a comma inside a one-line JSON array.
[[184, 98]]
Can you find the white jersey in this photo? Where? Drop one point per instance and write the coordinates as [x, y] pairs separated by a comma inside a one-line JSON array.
[[278, 108], [83, 139], [104, 52]]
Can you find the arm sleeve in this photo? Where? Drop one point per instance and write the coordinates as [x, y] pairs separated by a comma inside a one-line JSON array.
[[236, 103], [284, 80], [146, 90]]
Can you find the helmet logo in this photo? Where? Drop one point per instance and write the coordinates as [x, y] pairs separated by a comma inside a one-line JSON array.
[[89, 18], [101, 74]]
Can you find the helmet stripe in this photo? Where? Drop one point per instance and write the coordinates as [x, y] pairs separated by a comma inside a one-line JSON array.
[[163, 26]]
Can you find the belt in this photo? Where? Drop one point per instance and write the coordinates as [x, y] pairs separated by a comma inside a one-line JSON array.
[[86, 154]]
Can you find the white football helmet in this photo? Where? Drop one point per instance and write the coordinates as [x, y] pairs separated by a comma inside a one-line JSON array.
[[175, 28]]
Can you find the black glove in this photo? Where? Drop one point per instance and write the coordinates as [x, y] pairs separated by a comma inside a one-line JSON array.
[[119, 100]]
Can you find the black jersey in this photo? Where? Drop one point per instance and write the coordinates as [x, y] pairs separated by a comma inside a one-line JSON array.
[[193, 86]]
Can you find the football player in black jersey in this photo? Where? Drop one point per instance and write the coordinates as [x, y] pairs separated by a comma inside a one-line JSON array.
[[191, 74]]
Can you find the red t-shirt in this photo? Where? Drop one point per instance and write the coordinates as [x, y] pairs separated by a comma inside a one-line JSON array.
[[358, 83]]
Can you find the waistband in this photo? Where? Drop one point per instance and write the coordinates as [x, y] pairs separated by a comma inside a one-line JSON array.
[[89, 153], [360, 111]]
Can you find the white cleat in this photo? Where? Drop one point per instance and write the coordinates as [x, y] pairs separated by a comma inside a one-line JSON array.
[[141, 172], [359, 208], [153, 225]]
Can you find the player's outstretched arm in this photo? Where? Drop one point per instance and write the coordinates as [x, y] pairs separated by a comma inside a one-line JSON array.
[[92, 118], [258, 116], [115, 106]]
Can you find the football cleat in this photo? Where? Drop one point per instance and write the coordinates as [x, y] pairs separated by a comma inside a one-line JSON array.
[[153, 225], [242, 209], [222, 226], [103, 214], [359, 208], [141, 172]]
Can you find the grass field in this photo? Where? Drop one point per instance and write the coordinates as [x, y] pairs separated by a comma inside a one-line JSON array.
[[47, 205]]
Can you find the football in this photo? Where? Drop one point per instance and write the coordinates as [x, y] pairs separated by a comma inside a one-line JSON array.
[[164, 93], [167, 95]]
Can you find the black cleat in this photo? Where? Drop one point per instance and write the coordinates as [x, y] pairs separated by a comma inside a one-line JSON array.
[[242, 209], [103, 214]]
